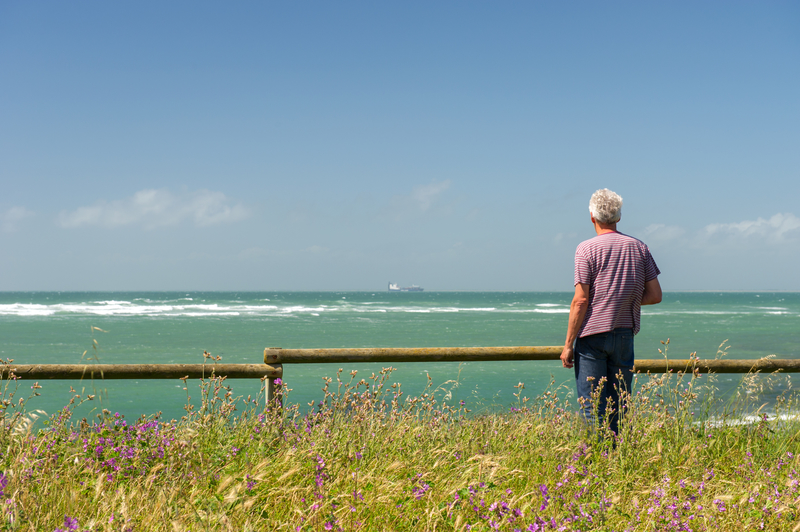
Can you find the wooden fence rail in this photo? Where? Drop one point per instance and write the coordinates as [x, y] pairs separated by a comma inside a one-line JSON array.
[[140, 371], [275, 357]]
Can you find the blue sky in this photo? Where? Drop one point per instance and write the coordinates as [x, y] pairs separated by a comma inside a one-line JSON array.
[[339, 146]]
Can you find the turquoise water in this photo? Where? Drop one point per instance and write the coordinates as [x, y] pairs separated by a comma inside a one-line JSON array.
[[159, 327]]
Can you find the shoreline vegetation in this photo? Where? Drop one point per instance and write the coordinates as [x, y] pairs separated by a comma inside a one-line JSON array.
[[366, 457]]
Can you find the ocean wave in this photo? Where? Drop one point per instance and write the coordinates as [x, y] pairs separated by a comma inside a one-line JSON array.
[[200, 307], [669, 312], [177, 308], [126, 308], [751, 419], [209, 314], [21, 309], [538, 311]]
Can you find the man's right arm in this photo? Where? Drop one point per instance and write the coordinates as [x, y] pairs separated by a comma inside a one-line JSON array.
[[577, 313], [652, 292]]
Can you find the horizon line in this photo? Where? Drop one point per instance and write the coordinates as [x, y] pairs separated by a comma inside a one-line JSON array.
[[172, 291]]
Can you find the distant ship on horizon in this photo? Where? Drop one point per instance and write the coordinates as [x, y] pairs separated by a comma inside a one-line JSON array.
[[394, 287]]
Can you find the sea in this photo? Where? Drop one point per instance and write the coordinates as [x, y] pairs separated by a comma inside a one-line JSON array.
[[177, 327]]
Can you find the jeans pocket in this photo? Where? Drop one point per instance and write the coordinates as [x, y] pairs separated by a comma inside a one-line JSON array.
[[595, 346], [623, 353]]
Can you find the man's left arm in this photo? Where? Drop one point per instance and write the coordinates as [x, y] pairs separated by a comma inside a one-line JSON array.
[[577, 313], [652, 292]]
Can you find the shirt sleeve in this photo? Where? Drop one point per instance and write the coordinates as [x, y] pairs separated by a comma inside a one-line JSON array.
[[583, 273], [651, 270]]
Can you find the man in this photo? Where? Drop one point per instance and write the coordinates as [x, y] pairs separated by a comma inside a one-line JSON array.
[[614, 276]]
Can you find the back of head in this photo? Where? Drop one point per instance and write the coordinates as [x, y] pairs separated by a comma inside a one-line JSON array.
[[606, 206]]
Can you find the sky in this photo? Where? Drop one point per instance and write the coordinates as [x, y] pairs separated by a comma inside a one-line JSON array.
[[343, 145]]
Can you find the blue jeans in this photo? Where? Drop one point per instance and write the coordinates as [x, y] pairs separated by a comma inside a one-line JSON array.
[[604, 356]]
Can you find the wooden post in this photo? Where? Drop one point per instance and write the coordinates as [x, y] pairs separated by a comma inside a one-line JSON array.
[[274, 383]]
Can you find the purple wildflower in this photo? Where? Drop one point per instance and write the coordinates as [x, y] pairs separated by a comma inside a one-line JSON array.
[[70, 523], [420, 490], [545, 496]]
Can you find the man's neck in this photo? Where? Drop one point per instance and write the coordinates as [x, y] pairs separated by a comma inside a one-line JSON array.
[[602, 229]]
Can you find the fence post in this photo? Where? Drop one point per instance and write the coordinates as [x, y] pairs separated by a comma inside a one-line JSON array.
[[274, 393]]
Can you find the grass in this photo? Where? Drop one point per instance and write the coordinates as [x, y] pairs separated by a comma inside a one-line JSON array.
[[368, 458]]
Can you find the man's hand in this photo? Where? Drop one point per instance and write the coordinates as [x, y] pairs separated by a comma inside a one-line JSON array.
[[577, 312], [567, 357]]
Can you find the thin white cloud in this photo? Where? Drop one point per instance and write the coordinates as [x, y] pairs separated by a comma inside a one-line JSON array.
[[663, 232], [317, 249], [564, 236], [779, 228], [425, 195], [152, 208], [10, 219], [253, 253], [421, 200]]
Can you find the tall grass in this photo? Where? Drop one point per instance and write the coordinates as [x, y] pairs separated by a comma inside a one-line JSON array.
[[366, 457]]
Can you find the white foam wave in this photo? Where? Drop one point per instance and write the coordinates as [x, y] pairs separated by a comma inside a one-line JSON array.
[[457, 309], [209, 314], [184, 307], [750, 419], [663, 312], [301, 309], [126, 308], [539, 311], [21, 309]]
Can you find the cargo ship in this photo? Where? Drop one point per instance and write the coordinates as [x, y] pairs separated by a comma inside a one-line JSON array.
[[394, 287]]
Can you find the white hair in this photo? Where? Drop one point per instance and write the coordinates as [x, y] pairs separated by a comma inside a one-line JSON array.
[[606, 206]]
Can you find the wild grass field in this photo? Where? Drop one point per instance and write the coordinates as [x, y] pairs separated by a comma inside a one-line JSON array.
[[366, 457]]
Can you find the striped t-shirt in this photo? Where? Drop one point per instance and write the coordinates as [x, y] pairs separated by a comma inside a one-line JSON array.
[[616, 267]]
